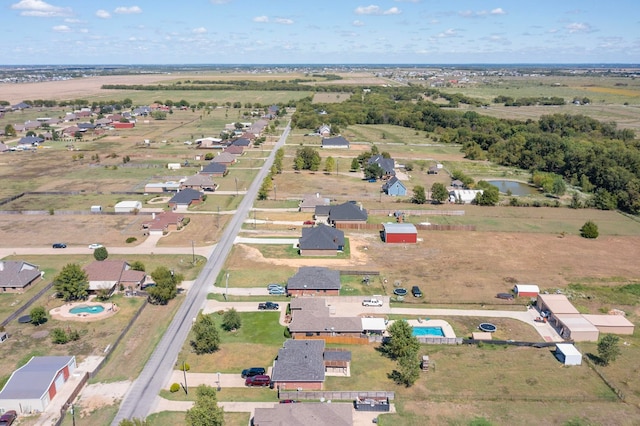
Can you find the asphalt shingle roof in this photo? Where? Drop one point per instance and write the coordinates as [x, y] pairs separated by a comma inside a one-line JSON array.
[[347, 212], [314, 278], [299, 361], [185, 196], [336, 141], [321, 237], [17, 274]]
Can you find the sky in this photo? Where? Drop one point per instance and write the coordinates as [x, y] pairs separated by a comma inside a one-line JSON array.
[[89, 32]]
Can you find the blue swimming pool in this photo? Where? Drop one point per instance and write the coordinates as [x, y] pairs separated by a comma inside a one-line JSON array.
[[83, 309], [428, 331]]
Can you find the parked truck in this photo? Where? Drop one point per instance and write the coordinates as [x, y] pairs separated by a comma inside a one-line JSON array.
[[372, 302], [268, 306]]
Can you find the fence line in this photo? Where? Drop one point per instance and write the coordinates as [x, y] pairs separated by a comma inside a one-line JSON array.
[[24, 307], [76, 391], [609, 384], [377, 212], [420, 227], [342, 340], [336, 395]]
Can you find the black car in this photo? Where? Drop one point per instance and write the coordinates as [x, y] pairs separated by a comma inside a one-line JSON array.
[[415, 290], [59, 245], [254, 371]]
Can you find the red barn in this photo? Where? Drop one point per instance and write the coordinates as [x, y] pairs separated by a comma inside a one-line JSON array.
[[401, 233], [119, 125]]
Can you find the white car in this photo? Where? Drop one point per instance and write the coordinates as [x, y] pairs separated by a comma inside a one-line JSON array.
[[372, 302], [95, 246]]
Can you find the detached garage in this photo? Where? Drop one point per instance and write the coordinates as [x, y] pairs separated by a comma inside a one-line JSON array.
[[128, 206], [31, 387], [401, 233], [526, 290], [568, 354]]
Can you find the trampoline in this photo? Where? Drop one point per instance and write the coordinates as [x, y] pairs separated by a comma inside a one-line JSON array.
[[488, 327], [25, 319], [400, 291]]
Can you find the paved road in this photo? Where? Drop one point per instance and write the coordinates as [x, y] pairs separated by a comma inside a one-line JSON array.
[[141, 397]]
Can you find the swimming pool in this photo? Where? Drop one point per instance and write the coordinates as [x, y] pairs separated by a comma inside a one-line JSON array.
[[428, 331], [83, 309]]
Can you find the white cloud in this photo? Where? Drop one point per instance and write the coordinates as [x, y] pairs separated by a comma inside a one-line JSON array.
[[481, 13], [579, 27], [498, 11], [84, 30], [101, 13], [199, 30], [376, 10], [448, 33], [357, 23], [61, 29], [122, 10], [39, 8], [284, 21], [261, 19]]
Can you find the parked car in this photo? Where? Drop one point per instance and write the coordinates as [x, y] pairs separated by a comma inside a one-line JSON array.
[[147, 285], [309, 222], [95, 246], [8, 418], [253, 371], [278, 291], [288, 401], [415, 290], [372, 302], [268, 306], [59, 245], [259, 380], [275, 287]]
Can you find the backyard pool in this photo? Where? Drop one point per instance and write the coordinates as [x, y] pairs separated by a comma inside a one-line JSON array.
[[83, 309], [428, 331]]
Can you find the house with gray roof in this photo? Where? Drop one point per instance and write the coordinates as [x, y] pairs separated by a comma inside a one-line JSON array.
[[335, 142], [348, 212], [321, 213], [244, 142], [185, 198], [224, 158], [394, 187], [305, 414], [305, 363], [321, 240], [17, 275], [310, 201], [31, 387], [386, 164], [314, 280], [214, 169]]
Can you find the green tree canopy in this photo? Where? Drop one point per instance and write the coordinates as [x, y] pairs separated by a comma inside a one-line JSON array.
[[439, 192], [206, 338], [330, 165], [231, 320], [355, 165], [38, 315], [490, 194], [373, 171], [133, 422], [307, 158], [419, 195], [205, 411], [137, 265], [166, 285], [402, 342], [71, 283], [589, 230], [608, 349], [101, 253]]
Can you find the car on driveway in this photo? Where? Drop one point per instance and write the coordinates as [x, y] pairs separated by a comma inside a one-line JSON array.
[[309, 222], [415, 290], [8, 418], [275, 287], [259, 380], [59, 245], [95, 246], [278, 291], [253, 371]]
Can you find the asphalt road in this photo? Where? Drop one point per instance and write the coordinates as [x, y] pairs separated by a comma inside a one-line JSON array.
[[140, 399]]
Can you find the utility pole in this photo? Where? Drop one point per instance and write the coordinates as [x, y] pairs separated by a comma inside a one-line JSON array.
[[218, 218], [236, 186], [193, 252], [184, 370], [226, 287]]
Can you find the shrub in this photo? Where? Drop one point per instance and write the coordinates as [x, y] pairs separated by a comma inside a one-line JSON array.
[[174, 388], [59, 337], [100, 253], [589, 230], [131, 240]]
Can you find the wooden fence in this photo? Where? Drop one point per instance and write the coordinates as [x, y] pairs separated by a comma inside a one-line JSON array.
[[336, 395], [379, 212], [339, 340]]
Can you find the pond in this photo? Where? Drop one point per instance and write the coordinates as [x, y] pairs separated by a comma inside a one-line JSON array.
[[516, 188]]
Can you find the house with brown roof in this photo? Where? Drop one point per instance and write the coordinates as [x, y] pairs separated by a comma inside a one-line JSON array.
[[311, 317], [107, 274], [234, 149], [224, 158], [305, 414], [199, 182], [310, 201], [17, 275], [164, 222]]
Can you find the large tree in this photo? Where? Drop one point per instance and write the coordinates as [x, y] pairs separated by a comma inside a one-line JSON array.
[[205, 335], [608, 349], [72, 283], [307, 158], [38, 315], [231, 320], [402, 342], [329, 164], [166, 285], [205, 411], [439, 192], [419, 195], [373, 171]]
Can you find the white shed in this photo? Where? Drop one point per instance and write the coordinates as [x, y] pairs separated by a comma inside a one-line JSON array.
[[568, 354], [526, 290], [96, 209], [128, 206], [464, 195]]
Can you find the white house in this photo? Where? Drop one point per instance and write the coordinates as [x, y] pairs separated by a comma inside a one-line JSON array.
[[464, 195]]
